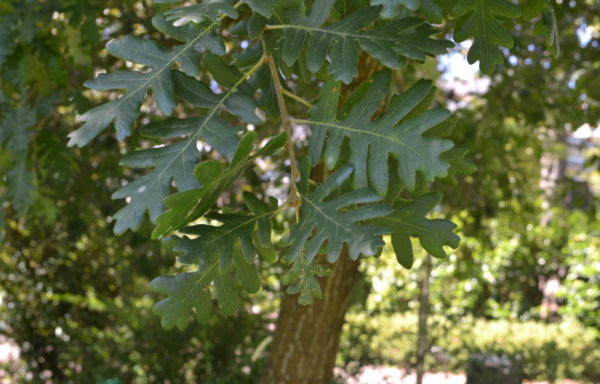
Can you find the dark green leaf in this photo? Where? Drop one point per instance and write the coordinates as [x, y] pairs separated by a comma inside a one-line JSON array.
[[479, 20], [391, 43], [216, 250], [551, 29], [237, 230], [19, 183], [264, 7], [408, 220], [373, 141], [246, 272], [185, 291], [176, 161], [16, 129], [126, 109], [532, 8], [210, 41], [459, 165], [172, 162], [392, 7], [7, 42], [227, 296], [335, 222], [432, 10]]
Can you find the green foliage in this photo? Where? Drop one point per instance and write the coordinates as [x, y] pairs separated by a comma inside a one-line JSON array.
[[15, 133], [75, 299], [508, 242], [201, 179], [547, 351], [384, 137], [125, 110], [391, 43], [334, 224], [500, 281], [216, 251], [397, 133], [479, 19], [409, 220], [6, 41], [547, 23], [302, 278], [214, 178], [196, 13], [176, 161], [35, 50], [73, 294], [428, 8], [581, 286], [391, 7]]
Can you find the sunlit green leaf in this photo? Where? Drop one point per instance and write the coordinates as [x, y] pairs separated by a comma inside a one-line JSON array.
[[214, 177], [207, 10]]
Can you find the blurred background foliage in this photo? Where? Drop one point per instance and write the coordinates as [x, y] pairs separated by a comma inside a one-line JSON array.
[[545, 351], [525, 281]]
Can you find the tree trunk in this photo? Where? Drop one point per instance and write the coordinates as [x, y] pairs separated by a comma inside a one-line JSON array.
[[307, 337], [422, 343]]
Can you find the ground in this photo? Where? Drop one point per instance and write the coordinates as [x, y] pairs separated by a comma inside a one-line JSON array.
[[9, 353], [392, 375]]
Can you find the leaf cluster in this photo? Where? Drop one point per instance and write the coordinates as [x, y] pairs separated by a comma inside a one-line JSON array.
[[382, 144]]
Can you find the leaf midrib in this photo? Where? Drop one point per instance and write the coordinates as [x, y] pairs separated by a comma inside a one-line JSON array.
[[168, 64], [331, 31], [483, 29], [247, 222], [329, 218], [192, 138], [346, 128], [201, 277], [215, 262]]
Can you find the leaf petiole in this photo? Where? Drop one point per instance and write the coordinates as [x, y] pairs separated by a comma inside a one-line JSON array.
[[297, 98]]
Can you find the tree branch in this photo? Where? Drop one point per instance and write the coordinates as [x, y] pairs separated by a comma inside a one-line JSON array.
[[294, 198]]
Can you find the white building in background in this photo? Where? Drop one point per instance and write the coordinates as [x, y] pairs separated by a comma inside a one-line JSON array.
[[582, 141]]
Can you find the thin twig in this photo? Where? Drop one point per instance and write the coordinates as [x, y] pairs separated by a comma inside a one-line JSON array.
[[294, 198]]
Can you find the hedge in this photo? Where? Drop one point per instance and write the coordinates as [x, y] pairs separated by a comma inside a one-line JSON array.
[[546, 351]]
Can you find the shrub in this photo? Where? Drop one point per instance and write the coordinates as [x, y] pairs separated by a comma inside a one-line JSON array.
[[547, 351]]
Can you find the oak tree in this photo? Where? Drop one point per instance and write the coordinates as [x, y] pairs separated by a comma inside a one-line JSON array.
[[238, 87]]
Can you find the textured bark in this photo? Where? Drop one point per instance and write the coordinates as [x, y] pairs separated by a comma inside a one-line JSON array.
[[307, 337]]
